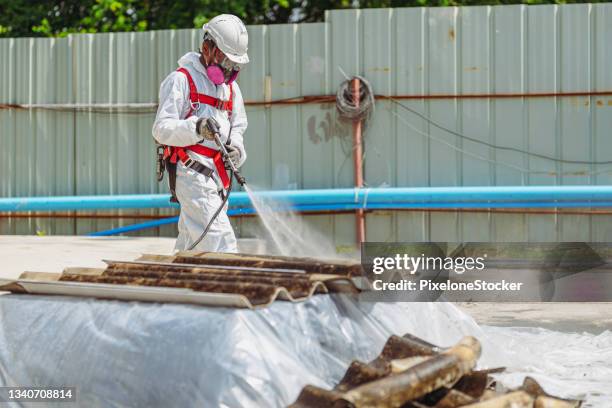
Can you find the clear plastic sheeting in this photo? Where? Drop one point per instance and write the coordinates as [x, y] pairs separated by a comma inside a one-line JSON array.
[[126, 354], [565, 364]]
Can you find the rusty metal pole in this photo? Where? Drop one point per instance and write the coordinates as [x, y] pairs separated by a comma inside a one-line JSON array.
[[358, 163]]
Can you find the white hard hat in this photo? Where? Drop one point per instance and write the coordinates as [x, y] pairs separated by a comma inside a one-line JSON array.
[[230, 35]]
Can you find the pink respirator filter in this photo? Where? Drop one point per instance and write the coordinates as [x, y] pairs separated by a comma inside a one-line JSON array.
[[216, 75]]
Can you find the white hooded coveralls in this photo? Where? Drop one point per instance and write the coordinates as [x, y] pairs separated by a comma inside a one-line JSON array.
[[196, 193]]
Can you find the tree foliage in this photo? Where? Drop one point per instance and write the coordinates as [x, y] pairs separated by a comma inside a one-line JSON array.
[[20, 18]]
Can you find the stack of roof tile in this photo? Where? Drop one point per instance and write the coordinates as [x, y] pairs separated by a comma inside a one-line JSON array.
[[224, 279]]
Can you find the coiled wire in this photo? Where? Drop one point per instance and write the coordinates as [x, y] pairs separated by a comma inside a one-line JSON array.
[[347, 107]]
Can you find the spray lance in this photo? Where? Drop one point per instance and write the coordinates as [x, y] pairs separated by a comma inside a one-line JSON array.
[[212, 133]]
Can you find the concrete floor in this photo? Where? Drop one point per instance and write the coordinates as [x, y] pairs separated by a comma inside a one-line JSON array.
[[566, 317], [54, 253]]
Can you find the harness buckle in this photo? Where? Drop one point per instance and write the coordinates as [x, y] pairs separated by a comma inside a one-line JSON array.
[[220, 104], [189, 162]]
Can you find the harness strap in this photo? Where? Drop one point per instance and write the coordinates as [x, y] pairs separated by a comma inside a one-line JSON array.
[[174, 153], [217, 160], [197, 98], [179, 153]]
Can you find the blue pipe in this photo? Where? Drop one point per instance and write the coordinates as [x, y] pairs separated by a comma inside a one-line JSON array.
[[76, 203], [434, 194], [362, 198], [487, 194], [417, 206], [370, 206]]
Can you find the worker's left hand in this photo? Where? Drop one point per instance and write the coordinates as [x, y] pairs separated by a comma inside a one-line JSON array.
[[234, 156]]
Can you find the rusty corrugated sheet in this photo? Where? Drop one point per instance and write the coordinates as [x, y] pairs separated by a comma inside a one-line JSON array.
[[307, 264]]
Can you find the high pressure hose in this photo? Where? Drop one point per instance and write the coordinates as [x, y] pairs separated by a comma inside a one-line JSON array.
[[215, 215]]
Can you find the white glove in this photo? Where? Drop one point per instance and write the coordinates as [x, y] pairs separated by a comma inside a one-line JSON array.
[[234, 156], [206, 128]]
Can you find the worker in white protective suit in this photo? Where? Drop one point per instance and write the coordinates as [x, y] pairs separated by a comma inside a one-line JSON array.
[[202, 88]]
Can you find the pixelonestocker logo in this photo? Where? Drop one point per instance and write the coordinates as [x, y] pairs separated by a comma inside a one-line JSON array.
[[424, 265]]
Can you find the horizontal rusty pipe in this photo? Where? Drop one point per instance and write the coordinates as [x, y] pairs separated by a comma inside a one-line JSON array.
[[500, 95], [311, 99], [332, 98], [88, 216]]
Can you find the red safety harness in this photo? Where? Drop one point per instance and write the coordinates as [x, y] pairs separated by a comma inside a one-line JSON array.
[[174, 153]]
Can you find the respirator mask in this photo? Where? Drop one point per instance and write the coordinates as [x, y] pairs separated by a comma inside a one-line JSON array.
[[224, 71]]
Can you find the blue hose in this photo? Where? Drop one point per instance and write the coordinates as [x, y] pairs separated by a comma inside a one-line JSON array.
[[135, 227]]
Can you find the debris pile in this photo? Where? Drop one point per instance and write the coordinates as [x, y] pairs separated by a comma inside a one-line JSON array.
[[411, 373]]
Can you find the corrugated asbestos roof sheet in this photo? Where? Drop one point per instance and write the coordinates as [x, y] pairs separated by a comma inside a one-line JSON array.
[[411, 373], [213, 279]]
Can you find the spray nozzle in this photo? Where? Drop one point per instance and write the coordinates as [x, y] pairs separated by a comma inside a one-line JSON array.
[[239, 178]]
